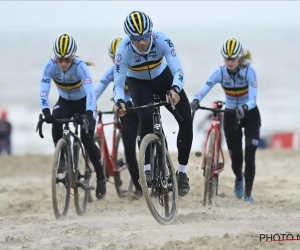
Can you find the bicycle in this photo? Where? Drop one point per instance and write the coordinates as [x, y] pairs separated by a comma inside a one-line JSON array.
[[211, 164], [70, 176], [114, 163], [162, 170]]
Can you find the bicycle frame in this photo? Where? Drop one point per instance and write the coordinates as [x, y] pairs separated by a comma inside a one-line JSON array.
[[215, 125], [157, 130], [109, 159]]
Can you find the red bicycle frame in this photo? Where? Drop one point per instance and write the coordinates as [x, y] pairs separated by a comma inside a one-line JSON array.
[[110, 160], [215, 125]]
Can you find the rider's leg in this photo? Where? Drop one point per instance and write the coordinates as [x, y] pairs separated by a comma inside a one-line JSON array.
[[235, 149], [252, 129], [129, 133]]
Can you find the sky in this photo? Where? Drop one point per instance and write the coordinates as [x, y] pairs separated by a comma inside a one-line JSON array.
[[106, 14]]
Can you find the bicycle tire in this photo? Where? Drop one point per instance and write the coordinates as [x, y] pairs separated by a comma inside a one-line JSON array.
[[118, 182], [148, 139], [208, 192], [61, 145], [78, 176]]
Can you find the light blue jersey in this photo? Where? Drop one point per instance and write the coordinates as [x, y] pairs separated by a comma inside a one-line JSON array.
[[73, 84], [146, 67], [240, 88], [107, 78]]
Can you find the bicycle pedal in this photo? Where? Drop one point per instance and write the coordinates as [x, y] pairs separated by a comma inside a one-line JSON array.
[[91, 188]]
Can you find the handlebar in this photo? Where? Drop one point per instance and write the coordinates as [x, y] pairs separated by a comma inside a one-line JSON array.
[[219, 110], [62, 121], [158, 104]]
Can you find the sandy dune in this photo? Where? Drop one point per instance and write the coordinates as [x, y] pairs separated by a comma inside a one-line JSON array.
[[27, 220]]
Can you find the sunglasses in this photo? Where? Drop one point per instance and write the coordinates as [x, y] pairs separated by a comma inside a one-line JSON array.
[[140, 38], [67, 60]]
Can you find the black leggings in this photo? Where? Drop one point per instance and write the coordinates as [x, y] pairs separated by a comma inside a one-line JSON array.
[[66, 109], [129, 133], [251, 124], [142, 93]]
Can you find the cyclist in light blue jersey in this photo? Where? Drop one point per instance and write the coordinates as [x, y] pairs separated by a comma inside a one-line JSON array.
[[129, 122], [239, 81], [76, 95], [150, 62]]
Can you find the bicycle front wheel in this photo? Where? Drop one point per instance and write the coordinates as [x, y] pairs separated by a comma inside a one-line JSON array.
[[61, 179], [161, 197], [209, 182], [82, 178]]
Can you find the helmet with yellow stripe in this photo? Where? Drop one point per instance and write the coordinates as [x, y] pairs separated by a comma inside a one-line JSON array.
[[232, 48], [137, 23], [64, 46], [113, 46]]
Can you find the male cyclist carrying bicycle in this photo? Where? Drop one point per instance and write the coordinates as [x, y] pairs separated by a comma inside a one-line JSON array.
[[129, 122], [141, 57], [239, 82], [76, 95]]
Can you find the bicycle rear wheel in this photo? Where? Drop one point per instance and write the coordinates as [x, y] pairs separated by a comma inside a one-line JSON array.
[[82, 177], [157, 196], [209, 182], [122, 178], [61, 179]]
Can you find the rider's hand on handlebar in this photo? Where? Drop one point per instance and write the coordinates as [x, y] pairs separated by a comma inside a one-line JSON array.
[[49, 118], [194, 104], [120, 105], [175, 97]]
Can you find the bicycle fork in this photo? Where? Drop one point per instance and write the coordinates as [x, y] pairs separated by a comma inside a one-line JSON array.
[[157, 128]]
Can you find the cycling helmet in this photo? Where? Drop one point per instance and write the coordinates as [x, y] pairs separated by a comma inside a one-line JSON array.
[[64, 46], [113, 47], [232, 48], [137, 24]]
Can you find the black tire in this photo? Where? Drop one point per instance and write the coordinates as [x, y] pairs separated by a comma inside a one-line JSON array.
[[81, 177], [170, 212], [122, 179], [62, 148], [209, 183]]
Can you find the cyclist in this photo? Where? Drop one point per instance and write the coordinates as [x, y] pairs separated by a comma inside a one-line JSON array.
[[76, 94], [141, 57], [239, 81], [129, 122]]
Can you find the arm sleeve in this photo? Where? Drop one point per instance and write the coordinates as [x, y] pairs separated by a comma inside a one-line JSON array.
[[215, 77], [107, 77], [173, 61], [84, 74], [45, 84], [252, 88], [120, 71]]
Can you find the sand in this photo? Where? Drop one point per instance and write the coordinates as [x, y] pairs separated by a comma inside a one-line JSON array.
[[27, 220]]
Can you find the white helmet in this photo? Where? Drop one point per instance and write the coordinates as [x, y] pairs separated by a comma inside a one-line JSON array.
[[64, 46], [137, 23], [232, 48]]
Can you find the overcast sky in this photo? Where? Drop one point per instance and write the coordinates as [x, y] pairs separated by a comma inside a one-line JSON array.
[[45, 14]]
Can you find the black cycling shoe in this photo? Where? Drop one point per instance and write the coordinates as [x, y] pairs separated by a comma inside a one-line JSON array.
[[183, 184], [137, 194], [101, 189]]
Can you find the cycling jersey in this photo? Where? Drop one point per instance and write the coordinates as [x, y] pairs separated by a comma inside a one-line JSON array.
[[73, 84], [146, 67], [240, 88], [108, 77]]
